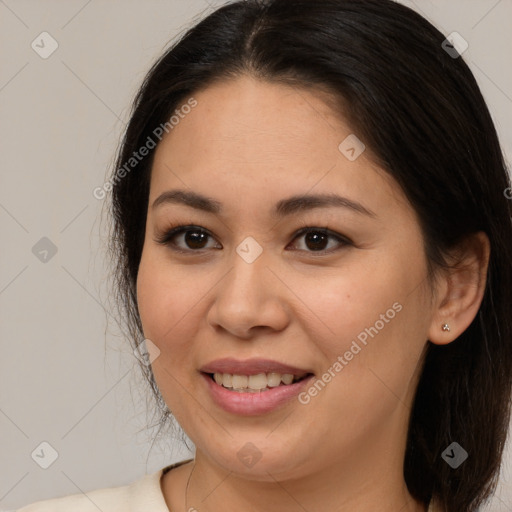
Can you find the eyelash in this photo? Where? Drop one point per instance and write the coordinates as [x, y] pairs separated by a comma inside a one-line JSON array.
[[166, 237]]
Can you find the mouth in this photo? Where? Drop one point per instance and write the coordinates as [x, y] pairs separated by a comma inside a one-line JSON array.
[[255, 394], [258, 383], [253, 386]]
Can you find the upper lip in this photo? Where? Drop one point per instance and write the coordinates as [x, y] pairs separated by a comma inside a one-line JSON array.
[[251, 367]]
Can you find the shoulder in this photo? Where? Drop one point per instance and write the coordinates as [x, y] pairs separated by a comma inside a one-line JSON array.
[[108, 499], [146, 491]]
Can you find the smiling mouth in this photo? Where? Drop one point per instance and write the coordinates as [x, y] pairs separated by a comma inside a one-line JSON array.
[[256, 383]]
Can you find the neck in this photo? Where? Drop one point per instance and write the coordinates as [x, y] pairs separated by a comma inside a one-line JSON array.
[[209, 488]]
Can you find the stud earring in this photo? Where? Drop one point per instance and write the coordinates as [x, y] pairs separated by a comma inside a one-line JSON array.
[[446, 327]]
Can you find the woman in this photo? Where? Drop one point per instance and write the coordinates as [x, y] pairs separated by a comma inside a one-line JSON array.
[[314, 242]]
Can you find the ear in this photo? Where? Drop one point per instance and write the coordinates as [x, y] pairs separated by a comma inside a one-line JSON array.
[[461, 289]]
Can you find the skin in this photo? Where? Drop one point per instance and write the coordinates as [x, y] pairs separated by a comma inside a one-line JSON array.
[[249, 144]]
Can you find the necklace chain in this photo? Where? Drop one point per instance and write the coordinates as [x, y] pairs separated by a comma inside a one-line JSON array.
[[188, 482]]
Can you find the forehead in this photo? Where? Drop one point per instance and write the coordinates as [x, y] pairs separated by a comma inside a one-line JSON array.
[[256, 137], [245, 114]]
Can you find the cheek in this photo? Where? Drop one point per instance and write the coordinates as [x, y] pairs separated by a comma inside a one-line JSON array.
[[371, 351], [169, 320], [345, 303], [168, 302], [374, 318]]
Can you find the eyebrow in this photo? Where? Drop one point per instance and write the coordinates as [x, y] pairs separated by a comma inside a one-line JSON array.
[[285, 207]]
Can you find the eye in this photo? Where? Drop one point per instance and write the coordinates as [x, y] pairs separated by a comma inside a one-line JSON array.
[[196, 238], [316, 239]]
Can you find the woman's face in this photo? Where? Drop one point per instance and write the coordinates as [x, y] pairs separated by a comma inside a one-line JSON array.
[[353, 313]]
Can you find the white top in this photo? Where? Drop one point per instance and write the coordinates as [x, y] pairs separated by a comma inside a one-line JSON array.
[[143, 495]]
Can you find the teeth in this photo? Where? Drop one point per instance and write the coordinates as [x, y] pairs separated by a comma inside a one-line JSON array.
[[273, 379], [259, 382], [287, 378], [240, 381]]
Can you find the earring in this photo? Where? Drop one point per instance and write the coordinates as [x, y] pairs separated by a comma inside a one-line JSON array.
[[446, 327]]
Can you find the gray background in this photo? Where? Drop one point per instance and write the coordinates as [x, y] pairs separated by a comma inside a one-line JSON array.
[[64, 378]]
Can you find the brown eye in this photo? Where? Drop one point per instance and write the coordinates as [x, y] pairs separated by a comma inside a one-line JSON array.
[[185, 238], [317, 240], [195, 239]]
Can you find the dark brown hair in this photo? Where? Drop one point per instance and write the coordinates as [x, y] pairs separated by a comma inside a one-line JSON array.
[[421, 114]]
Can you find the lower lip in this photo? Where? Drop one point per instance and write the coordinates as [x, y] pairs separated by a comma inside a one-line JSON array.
[[251, 404]]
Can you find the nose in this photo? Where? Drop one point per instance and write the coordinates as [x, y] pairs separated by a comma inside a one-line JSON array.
[[249, 299]]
